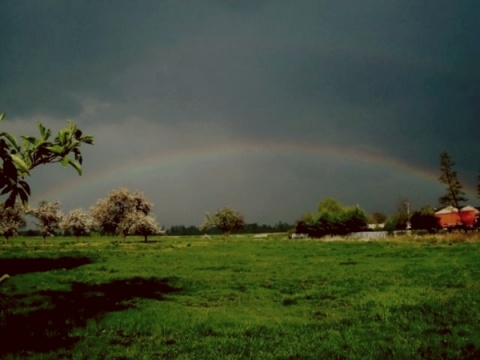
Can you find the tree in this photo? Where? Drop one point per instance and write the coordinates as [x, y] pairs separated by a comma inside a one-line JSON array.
[[354, 219], [332, 219], [307, 224], [391, 224], [77, 221], [403, 214], [225, 219], [425, 219], [12, 219], [401, 219], [378, 217], [331, 206], [144, 225], [49, 216], [114, 214], [454, 195], [18, 159], [329, 219]]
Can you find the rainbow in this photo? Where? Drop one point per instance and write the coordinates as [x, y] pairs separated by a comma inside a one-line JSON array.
[[189, 156], [117, 174]]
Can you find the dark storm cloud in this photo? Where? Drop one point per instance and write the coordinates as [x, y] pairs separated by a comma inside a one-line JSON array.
[[397, 78], [54, 50]]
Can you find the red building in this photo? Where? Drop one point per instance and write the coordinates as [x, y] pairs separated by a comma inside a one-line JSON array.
[[451, 217]]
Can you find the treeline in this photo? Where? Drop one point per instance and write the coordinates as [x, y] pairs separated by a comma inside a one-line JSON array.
[[177, 230], [252, 228]]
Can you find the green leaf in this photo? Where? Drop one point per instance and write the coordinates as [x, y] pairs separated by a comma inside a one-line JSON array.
[[44, 132], [30, 139], [23, 195], [74, 144], [42, 129], [2, 115], [73, 163], [76, 165], [25, 186], [56, 149], [27, 158], [12, 140], [62, 136], [39, 142], [88, 139], [20, 163], [6, 189], [25, 144], [10, 170], [11, 198]]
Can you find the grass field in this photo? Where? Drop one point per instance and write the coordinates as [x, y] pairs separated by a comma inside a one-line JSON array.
[[247, 298]]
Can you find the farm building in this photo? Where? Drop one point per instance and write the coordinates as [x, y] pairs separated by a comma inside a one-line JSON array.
[[451, 217]]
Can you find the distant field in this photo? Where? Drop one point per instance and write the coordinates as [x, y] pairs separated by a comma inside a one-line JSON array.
[[247, 298]]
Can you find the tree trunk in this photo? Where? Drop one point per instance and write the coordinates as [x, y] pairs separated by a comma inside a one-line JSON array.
[[146, 238]]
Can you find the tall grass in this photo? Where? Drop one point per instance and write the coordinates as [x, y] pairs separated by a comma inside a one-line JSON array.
[[246, 298]]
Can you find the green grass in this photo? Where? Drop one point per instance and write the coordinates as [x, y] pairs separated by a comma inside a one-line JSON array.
[[247, 298]]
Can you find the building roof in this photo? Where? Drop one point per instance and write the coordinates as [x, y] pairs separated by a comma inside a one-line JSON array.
[[446, 210], [450, 209], [470, 208]]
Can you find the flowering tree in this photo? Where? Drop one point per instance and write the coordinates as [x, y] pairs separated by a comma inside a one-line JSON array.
[[49, 217], [12, 219], [18, 159], [117, 213], [144, 225], [225, 219], [78, 221]]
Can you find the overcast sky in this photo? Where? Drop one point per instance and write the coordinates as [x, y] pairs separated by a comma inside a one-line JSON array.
[[264, 106]]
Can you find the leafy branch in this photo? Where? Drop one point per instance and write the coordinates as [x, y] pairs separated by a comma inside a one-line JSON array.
[[20, 157]]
